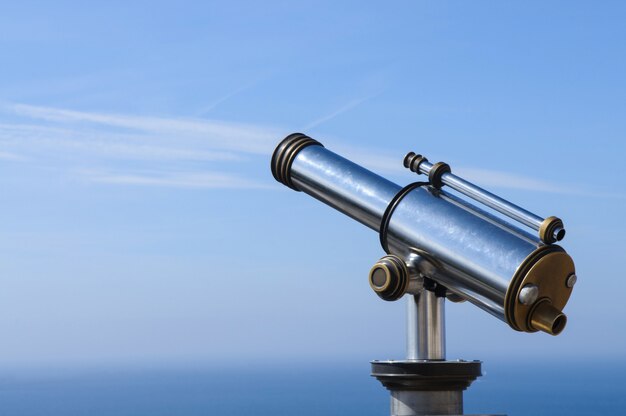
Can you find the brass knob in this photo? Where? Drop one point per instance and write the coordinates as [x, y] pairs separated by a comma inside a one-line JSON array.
[[389, 278]]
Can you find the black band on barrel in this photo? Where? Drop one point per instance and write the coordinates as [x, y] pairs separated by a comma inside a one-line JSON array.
[[384, 222], [285, 154], [436, 172]]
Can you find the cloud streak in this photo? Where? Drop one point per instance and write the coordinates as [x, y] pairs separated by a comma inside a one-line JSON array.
[[201, 180], [345, 108], [218, 134], [164, 151], [10, 156], [109, 144], [226, 97], [190, 153]]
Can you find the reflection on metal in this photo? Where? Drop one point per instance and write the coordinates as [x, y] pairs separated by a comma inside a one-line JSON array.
[[426, 387], [407, 402], [528, 294], [571, 280], [425, 331], [475, 255], [439, 246], [431, 326], [550, 229]]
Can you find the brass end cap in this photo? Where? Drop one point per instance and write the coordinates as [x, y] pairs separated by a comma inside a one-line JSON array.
[[545, 317], [547, 272], [551, 230], [389, 278], [284, 155]]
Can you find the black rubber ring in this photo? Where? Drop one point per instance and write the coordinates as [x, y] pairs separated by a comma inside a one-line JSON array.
[[436, 172], [384, 222], [284, 155]]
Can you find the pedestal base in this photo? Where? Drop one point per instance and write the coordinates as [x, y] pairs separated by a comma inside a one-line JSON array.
[[426, 387]]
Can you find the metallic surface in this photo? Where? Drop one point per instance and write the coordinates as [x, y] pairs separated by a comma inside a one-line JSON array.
[[476, 255], [548, 269], [423, 166], [528, 294], [571, 280], [285, 153], [478, 258], [431, 329], [409, 402], [426, 387], [389, 278], [551, 230], [345, 186], [412, 334], [545, 317]]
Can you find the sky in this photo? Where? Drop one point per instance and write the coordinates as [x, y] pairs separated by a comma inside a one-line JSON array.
[[140, 223]]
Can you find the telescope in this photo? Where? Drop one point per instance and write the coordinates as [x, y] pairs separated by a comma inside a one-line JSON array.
[[439, 244]]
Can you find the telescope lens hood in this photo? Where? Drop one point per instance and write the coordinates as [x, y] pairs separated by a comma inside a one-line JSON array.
[[285, 153]]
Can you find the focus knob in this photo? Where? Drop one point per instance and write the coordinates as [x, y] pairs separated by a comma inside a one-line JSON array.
[[389, 278]]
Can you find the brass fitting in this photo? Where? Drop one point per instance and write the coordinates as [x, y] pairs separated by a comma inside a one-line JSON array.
[[545, 317], [389, 278], [539, 291], [551, 230]]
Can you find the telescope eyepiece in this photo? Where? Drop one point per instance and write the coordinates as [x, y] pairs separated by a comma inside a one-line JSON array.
[[545, 317]]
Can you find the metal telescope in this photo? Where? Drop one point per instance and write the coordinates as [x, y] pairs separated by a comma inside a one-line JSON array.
[[439, 245]]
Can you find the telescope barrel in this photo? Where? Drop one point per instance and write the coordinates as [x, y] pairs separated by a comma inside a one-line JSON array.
[[474, 254], [338, 182]]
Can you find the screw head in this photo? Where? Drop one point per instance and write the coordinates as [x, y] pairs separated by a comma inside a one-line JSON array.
[[571, 280], [528, 294]]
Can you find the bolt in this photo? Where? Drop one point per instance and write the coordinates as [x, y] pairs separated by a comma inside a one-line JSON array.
[[571, 280], [528, 294]]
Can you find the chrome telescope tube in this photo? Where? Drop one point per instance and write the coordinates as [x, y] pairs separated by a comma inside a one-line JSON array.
[[474, 254]]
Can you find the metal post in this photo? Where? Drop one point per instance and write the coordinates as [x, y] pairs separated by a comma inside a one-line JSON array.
[[415, 403], [430, 326], [412, 341], [426, 338]]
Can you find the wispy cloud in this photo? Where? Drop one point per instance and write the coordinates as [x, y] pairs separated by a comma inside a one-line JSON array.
[[191, 153], [344, 108], [199, 152], [110, 144], [10, 156], [218, 134], [208, 108], [203, 180]]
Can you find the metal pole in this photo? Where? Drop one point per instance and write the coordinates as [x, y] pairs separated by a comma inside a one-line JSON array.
[[426, 338], [411, 329], [431, 326]]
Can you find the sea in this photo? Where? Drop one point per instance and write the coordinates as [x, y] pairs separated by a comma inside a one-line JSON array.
[[580, 387]]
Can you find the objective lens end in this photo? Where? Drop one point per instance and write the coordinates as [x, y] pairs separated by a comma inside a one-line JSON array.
[[285, 153]]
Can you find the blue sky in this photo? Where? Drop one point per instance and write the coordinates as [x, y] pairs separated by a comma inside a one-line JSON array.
[[139, 219]]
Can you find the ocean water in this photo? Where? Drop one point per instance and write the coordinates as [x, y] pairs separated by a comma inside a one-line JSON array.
[[576, 388]]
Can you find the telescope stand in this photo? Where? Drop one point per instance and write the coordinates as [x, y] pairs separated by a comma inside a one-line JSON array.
[[426, 383]]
